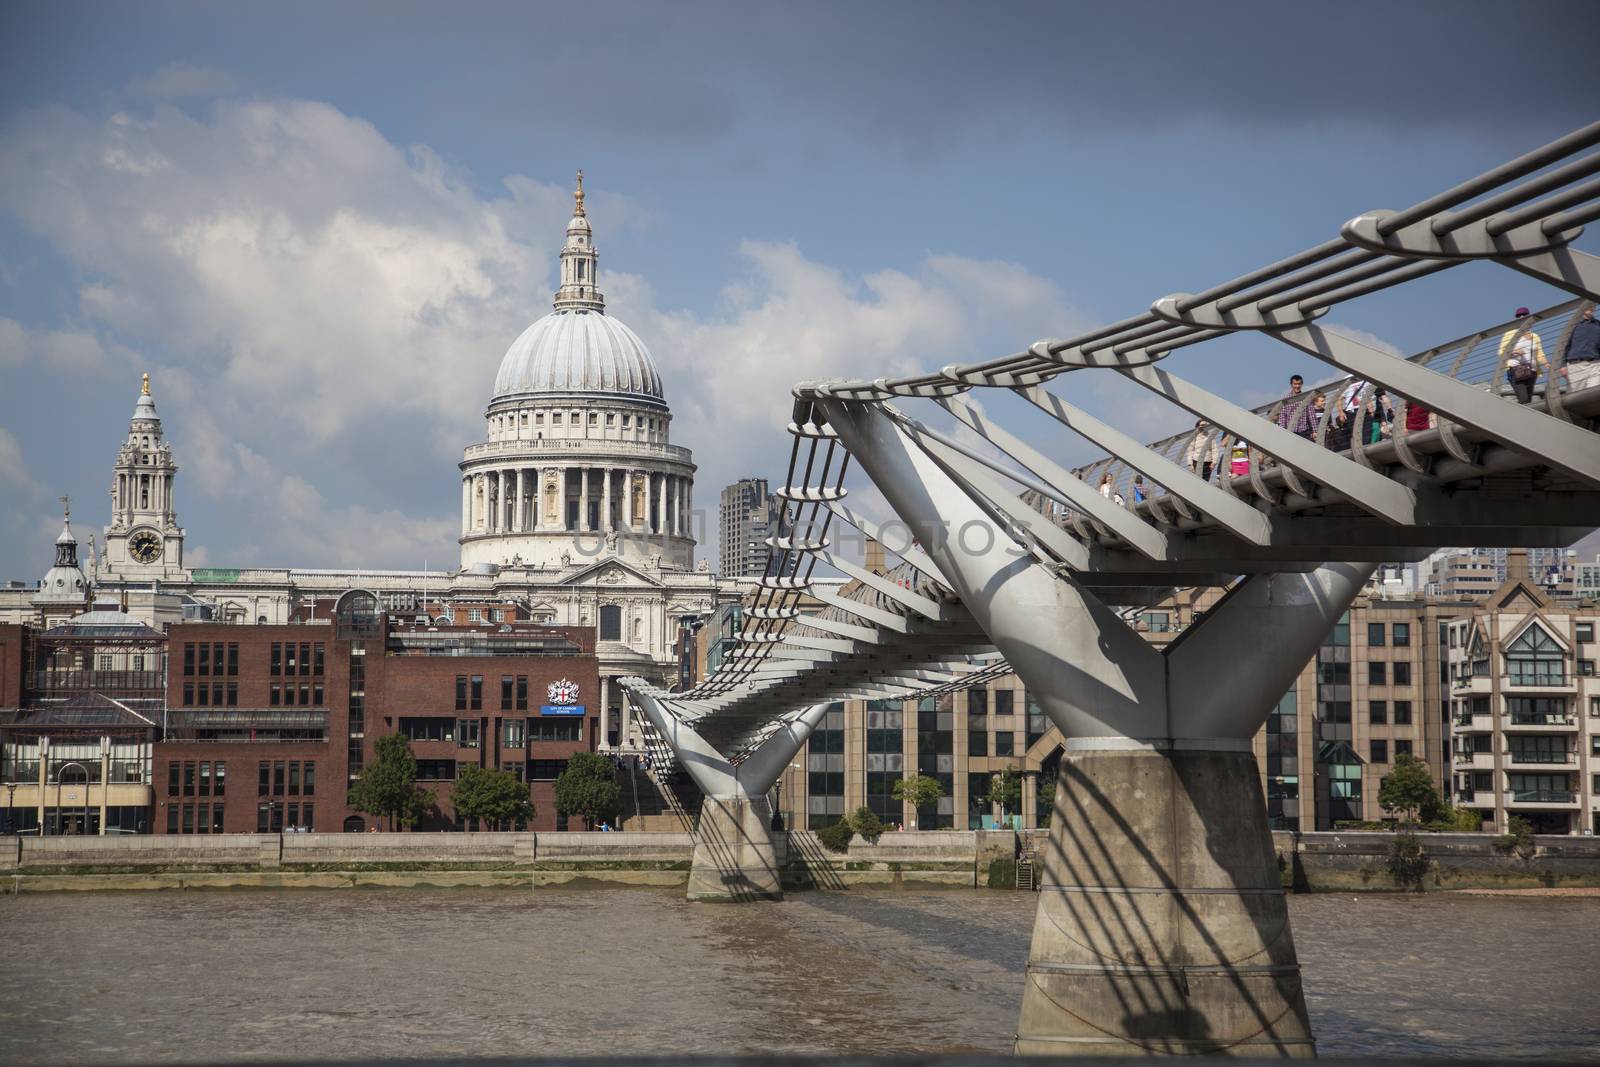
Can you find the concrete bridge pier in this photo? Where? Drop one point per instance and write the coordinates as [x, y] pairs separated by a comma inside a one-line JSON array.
[[1162, 927], [736, 858]]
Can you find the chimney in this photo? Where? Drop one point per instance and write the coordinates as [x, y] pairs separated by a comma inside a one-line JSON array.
[[1517, 563], [874, 557]]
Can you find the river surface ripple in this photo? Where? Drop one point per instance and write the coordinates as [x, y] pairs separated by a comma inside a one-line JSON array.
[[169, 976]]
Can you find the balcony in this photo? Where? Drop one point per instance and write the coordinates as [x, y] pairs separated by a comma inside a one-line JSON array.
[[1469, 723], [550, 450], [1541, 759], [1474, 761], [1481, 798], [1542, 798], [1565, 683], [1542, 722]]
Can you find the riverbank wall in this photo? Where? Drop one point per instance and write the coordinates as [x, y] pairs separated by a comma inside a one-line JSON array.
[[1309, 862], [1365, 862]]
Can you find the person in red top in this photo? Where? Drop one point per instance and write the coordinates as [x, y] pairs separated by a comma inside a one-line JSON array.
[[1417, 417]]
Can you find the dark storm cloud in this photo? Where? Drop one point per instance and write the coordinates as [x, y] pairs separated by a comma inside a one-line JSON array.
[[929, 72]]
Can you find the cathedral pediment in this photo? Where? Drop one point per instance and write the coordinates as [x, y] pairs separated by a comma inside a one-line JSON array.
[[611, 572]]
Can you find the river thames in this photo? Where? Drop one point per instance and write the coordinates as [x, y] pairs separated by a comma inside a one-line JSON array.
[[101, 977]]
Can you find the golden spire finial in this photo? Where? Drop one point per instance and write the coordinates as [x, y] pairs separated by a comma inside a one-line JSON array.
[[577, 197], [144, 390]]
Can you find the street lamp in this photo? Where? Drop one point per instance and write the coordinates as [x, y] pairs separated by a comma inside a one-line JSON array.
[[777, 803], [11, 794]]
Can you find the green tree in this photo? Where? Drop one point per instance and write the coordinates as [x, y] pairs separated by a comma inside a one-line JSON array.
[[1005, 789], [387, 788], [866, 823], [1408, 788], [494, 797], [588, 789], [835, 837], [1046, 800], [920, 791]]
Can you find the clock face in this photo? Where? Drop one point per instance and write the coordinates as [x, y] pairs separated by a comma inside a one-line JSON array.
[[563, 692], [145, 546]]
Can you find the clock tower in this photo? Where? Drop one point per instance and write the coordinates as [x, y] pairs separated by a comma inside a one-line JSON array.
[[143, 541]]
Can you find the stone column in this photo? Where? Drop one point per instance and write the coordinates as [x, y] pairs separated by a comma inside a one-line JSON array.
[[1030, 799], [661, 506], [603, 741], [583, 498], [605, 500], [561, 500], [626, 726], [466, 504], [518, 518], [627, 498]]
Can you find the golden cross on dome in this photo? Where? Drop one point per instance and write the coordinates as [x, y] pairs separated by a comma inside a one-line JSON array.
[[66, 506], [144, 390], [577, 197]]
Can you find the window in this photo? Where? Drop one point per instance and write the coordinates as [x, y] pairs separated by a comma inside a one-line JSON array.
[[318, 660], [977, 702], [265, 785], [1584, 631], [545, 770], [1537, 711], [105, 663], [515, 732], [172, 819], [474, 615], [467, 733], [188, 694], [1003, 701], [188, 659], [1005, 742], [461, 692], [517, 770], [216, 818], [1586, 668], [1377, 673], [1375, 634], [1534, 658], [1380, 752], [522, 692], [276, 667], [233, 660], [278, 771], [204, 663], [610, 622], [555, 729], [205, 779], [173, 770], [188, 779], [507, 684], [219, 783], [1402, 674], [428, 729], [290, 662], [305, 658], [294, 778], [476, 703], [1402, 714], [275, 695], [1378, 711], [308, 781], [436, 770], [233, 694], [1402, 635]]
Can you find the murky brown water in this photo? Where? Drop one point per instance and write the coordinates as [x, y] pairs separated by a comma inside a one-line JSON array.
[[96, 978]]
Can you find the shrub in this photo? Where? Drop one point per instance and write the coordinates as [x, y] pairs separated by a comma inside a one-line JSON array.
[[1518, 838], [835, 837], [868, 825], [1407, 861]]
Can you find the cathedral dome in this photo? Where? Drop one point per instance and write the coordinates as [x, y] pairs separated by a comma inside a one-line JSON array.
[[578, 351]]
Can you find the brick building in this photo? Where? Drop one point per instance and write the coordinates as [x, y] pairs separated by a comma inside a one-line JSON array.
[[267, 726]]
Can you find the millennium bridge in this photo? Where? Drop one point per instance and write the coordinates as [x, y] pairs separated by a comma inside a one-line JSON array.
[[1162, 926]]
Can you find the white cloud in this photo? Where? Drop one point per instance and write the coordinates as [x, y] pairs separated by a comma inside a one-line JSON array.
[[53, 350], [299, 285], [178, 80], [13, 466]]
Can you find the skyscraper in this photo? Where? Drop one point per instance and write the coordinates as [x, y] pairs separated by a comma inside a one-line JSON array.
[[749, 515]]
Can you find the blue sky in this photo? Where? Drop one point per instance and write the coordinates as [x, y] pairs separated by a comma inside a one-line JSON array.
[[320, 226]]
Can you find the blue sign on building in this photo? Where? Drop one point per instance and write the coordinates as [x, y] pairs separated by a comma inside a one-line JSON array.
[[561, 709]]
